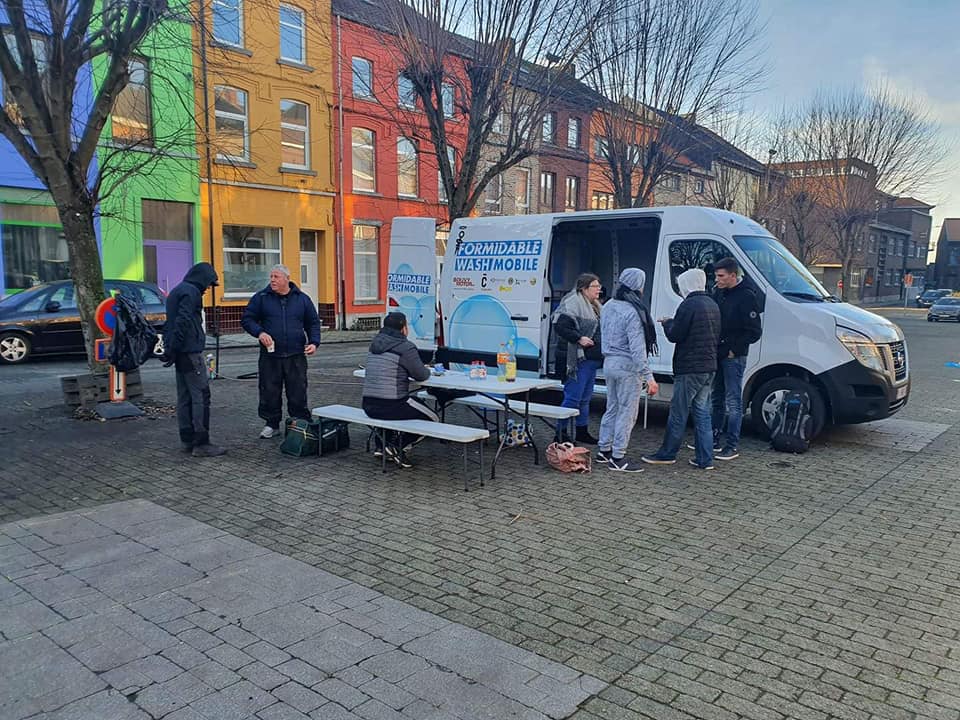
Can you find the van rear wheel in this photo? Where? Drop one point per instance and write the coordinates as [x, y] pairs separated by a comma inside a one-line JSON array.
[[763, 405]]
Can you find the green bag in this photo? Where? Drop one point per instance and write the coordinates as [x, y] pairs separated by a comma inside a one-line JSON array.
[[301, 438]]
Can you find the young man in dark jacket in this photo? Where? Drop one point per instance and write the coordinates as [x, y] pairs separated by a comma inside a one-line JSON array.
[[391, 363], [285, 321], [696, 332], [740, 327], [183, 344]]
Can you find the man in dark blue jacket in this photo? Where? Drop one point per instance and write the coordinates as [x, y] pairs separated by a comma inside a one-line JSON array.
[[183, 344], [285, 321]]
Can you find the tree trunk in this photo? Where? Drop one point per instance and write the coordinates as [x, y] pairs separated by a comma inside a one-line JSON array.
[[85, 269]]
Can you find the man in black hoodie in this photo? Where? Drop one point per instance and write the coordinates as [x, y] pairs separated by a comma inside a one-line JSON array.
[[391, 362], [740, 327], [285, 321], [183, 343]]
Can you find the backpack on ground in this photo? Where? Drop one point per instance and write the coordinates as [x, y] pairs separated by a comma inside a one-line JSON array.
[[792, 424]]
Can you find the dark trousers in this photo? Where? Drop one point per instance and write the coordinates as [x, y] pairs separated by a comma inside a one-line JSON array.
[[193, 399], [408, 409], [277, 374]]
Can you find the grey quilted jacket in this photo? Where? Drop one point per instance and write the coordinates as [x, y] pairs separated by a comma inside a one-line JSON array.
[[391, 362]]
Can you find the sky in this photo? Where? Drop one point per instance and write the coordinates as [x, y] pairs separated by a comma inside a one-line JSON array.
[[912, 44]]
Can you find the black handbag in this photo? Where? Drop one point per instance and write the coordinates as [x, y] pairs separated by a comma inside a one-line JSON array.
[[334, 436]]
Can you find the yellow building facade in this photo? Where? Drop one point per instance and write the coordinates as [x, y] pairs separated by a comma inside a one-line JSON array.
[[265, 103]]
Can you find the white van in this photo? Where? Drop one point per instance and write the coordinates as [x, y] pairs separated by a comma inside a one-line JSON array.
[[503, 276]]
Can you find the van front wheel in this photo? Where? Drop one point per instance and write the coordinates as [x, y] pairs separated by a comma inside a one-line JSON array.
[[763, 406]]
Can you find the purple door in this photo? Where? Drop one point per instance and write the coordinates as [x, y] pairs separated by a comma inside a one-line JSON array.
[[166, 262]]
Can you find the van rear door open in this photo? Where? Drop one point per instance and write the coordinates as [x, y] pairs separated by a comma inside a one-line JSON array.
[[411, 277]]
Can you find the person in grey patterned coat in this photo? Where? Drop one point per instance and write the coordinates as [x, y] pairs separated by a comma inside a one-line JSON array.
[[391, 363]]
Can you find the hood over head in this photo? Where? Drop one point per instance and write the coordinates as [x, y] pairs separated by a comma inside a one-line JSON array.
[[633, 278], [202, 275], [692, 280], [386, 340]]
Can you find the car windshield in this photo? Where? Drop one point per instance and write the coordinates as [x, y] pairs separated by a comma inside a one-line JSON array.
[[948, 301], [21, 298], [782, 270]]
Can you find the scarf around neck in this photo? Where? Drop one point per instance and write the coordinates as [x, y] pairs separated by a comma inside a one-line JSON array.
[[649, 329], [587, 318]]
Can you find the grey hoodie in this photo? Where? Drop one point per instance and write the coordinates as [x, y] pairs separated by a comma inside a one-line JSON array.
[[391, 362]]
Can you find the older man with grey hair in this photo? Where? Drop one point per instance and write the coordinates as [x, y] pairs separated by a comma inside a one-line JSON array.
[[285, 321]]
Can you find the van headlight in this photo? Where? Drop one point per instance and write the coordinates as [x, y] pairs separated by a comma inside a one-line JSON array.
[[861, 347]]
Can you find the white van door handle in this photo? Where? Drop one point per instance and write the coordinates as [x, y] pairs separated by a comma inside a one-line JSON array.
[[519, 318]]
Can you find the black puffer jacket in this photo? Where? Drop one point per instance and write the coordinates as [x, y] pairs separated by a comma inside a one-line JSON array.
[[391, 362], [695, 330], [183, 332], [291, 320], [740, 324], [567, 332]]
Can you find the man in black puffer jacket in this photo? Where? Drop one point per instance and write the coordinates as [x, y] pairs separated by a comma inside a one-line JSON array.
[[183, 344], [391, 362], [696, 332], [286, 323]]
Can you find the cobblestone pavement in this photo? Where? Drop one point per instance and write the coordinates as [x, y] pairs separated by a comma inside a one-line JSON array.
[[815, 586]]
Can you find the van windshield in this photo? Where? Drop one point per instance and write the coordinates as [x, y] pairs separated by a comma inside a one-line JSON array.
[[782, 270]]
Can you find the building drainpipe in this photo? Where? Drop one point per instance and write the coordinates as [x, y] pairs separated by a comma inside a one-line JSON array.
[[208, 161], [341, 240]]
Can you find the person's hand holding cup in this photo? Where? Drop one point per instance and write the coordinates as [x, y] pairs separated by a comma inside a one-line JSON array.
[[266, 341]]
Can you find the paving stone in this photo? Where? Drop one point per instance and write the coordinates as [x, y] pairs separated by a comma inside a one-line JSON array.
[[214, 674], [395, 665], [302, 698], [387, 693], [240, 700], [263, 676], [340, 692], [267, 654], [102, 705], [289, 624], [303, 673], [332, 711], [163, 698], [280, 711], [236, 636]]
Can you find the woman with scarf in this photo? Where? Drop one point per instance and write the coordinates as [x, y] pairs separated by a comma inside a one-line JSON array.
[[629, 337], [577, 325]]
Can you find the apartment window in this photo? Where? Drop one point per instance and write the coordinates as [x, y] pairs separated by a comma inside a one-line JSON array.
[[131, 110], [364, 159], [572, 194], [549, 128], [232, 126], [228, 21], [548, 183], [499, 124], [407, 175], [406, 93], [447, 97], [698, 187], [573, 132], [441, 188], [40, 52], [599, 147], [362, 78], [602, 201], [671, 182], [294, 134], [522, 191], [366, 263], [33, 246], [293, 39], [873, 243], [493, 196], [248, 255]]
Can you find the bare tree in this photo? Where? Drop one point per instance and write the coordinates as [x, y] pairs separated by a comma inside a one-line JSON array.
[[663, 64], [45, 49], [859, 142], [496, 65]]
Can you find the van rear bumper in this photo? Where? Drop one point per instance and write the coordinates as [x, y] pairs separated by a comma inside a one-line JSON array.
[[858, 394]]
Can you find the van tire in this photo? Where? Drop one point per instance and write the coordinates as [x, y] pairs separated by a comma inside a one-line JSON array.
[[765, 398]]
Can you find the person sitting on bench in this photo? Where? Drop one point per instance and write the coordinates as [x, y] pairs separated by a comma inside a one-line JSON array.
[[391, 362]]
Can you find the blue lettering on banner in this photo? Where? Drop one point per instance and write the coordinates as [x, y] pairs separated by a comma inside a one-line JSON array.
[[409, 283], [498, 255]]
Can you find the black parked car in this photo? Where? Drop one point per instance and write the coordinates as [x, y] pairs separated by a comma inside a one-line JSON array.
[[45, 319], [929, 297], [946, 308]]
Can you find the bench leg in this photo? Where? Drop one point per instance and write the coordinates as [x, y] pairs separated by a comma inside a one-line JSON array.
[[481, 443], [382, 434], [466, 484]]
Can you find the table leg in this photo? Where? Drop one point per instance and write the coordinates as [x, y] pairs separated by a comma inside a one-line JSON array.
[[481, 443], [529, 429], [466, 486]]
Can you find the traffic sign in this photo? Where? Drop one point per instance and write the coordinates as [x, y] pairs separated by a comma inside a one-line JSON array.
[[908, 280], [106, 316], [101, 349]]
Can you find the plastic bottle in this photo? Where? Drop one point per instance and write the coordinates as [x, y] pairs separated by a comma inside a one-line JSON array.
[[502, 362], [511, 369]]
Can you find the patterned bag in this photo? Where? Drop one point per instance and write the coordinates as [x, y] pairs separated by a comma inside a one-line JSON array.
[[567, 457], [517, 434]]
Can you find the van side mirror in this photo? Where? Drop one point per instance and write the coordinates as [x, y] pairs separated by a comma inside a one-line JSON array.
[[53, 306]]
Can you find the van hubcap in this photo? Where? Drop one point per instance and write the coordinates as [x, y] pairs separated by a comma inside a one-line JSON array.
[[13, 349]]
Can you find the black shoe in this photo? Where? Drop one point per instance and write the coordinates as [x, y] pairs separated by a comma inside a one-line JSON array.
[[398, 457], [208, 451], [584, 436], [411, 445], [727, 454], [709, 466], [603, 457], [186, 447], [623, 465], [716, 446]]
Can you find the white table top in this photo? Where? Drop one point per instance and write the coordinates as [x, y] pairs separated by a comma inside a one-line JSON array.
[[457, 380]]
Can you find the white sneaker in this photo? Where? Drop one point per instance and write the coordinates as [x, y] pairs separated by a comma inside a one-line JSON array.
[[269, 432]]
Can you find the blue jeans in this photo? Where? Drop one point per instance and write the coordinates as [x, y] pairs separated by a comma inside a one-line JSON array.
[[578, 390], [728, 401], [690, 392]]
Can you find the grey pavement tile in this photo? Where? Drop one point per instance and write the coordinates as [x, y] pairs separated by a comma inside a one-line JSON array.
[[95, 551], [354, 676], [122, 515], [166, 697], [184, 656], [263, 676], [376, 710], [332, 711], [338, 647], [229, 656], [101, 706], [302, 698], [281, 711], [214, 674], [58, 589], [23, 618], [207, 621], [212, 553], [267, 653], [395, 665], [164, 607], [199, 639], [302, 672], [135, 578], [65, 528], [236, 636], [237, 702], [166, 532], [340, 692], [288, 624], [388, 693]]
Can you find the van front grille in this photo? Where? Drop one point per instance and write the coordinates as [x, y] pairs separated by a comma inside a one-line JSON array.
[[898, 351]]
